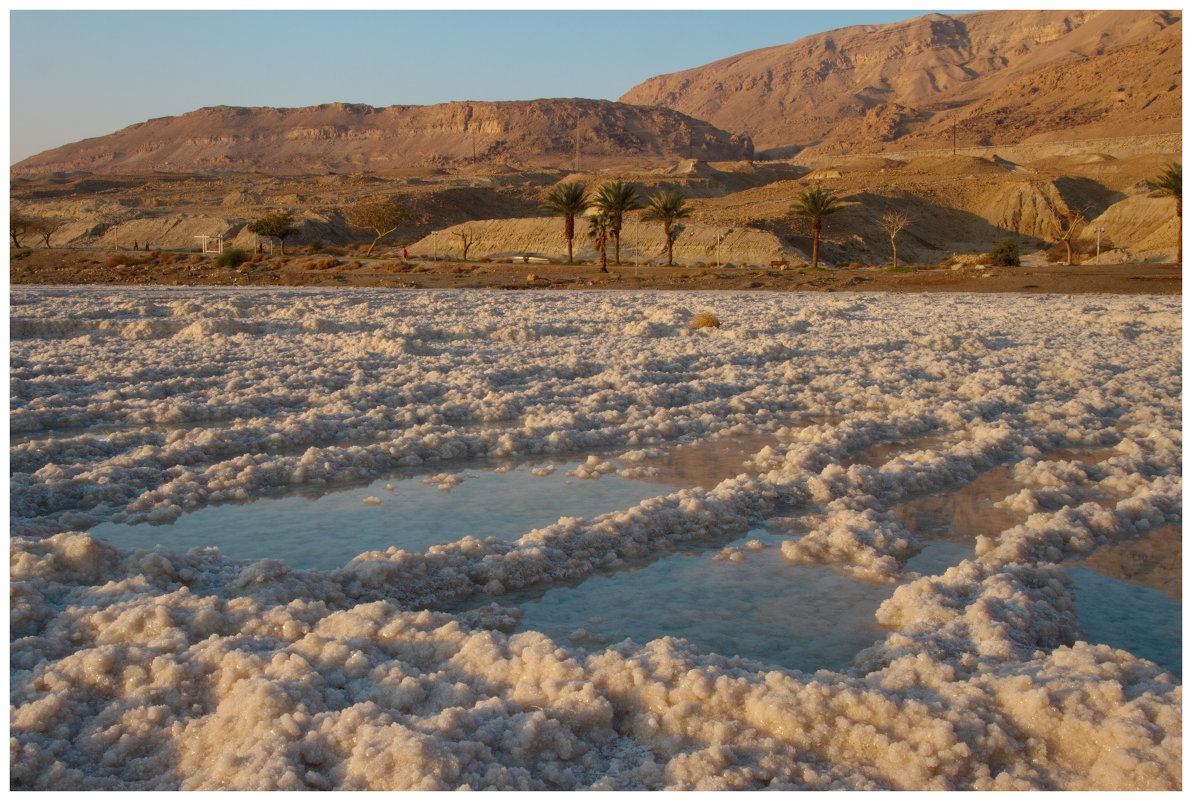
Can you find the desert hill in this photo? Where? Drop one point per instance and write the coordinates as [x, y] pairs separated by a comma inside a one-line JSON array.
[[1055, 113], [1000, 76], [960, 204], [341, 137]]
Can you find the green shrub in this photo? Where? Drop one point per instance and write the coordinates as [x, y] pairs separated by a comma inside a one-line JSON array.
[[21, 255], [232, 257], [1004, 254]]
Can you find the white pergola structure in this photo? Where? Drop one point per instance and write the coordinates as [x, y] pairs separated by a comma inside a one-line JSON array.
[[212, 244]]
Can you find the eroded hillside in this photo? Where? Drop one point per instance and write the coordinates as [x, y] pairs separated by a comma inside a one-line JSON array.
[[958, 204]]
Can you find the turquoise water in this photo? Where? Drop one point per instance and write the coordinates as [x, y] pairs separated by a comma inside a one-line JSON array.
[[762, 607], [1140, 620], [326, 531]]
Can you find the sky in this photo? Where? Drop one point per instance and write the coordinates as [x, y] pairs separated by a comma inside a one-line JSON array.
[[77, 73]]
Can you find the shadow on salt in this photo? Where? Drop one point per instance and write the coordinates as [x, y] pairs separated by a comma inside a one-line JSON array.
[[761, 608]]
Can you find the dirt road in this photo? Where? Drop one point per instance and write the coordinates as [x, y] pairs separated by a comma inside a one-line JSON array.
[[54, 266]]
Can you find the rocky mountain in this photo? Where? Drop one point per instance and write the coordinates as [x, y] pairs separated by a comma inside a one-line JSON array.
[[988, 78], [340, 137]]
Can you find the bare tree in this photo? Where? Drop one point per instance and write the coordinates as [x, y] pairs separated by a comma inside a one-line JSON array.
[[466, 238], [380, 215], [18, 225], [45, 227], [1065, 229], [894, 222]]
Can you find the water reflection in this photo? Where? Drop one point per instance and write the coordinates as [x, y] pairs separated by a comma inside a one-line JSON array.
[[1140, 620], [762, 607]]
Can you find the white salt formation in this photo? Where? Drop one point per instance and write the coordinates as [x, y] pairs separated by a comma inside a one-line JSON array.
[[160, 670]]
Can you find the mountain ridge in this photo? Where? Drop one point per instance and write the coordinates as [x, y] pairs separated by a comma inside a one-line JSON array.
[[356, 137], [871, 84]]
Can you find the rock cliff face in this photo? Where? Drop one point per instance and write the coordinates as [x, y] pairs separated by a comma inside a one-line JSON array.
[[1002, 76], [341, 137]]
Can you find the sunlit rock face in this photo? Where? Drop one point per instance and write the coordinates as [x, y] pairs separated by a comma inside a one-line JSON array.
[[475, 659]]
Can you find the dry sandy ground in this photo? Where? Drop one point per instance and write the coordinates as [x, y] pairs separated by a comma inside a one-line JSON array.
[[54, 266]]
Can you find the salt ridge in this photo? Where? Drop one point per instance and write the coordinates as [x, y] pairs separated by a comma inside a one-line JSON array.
[[159, 670]]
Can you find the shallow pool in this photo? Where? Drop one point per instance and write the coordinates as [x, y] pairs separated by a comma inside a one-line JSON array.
[[324, 530], [762, 607]]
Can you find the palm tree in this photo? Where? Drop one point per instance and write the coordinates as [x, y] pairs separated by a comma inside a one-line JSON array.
[[1170, 184], [599, 227], [667, 208], [816, 204], [570, 200], [614, 199]]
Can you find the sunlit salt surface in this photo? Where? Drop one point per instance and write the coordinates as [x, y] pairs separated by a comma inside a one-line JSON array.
[[844, 433], [326, 530], [972, 509], [1137, 619], [763, 607]]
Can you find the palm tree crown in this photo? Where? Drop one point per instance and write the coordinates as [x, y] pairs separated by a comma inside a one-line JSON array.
[[667, 208], [570, 200], [1170, 184], [599, 227], [816, 204], [615, 198]]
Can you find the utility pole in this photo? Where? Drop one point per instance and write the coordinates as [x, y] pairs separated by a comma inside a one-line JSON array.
[[718, 236], [575, 165], [1099, 229], [953, 137]]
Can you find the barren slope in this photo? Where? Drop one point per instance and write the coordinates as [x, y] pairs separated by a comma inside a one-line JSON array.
[[870, 84], [343, 137]]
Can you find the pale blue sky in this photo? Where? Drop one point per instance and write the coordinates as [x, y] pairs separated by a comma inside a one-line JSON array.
[[77, 74]]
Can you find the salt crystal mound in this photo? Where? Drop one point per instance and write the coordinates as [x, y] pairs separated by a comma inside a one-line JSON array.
[[155, 670]]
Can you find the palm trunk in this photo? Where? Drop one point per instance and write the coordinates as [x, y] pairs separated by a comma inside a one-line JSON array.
[[569, 229], [816, 225], [1179, 217]]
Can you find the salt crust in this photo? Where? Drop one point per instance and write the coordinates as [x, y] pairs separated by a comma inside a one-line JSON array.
[[158, 670]]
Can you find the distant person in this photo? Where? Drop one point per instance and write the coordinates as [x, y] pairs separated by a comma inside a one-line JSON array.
[[134, 245], [404, 255]]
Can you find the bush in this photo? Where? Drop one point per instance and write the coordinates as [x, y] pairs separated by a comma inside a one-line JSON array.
[[1004, 254], [232, 257], [22, 254]]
